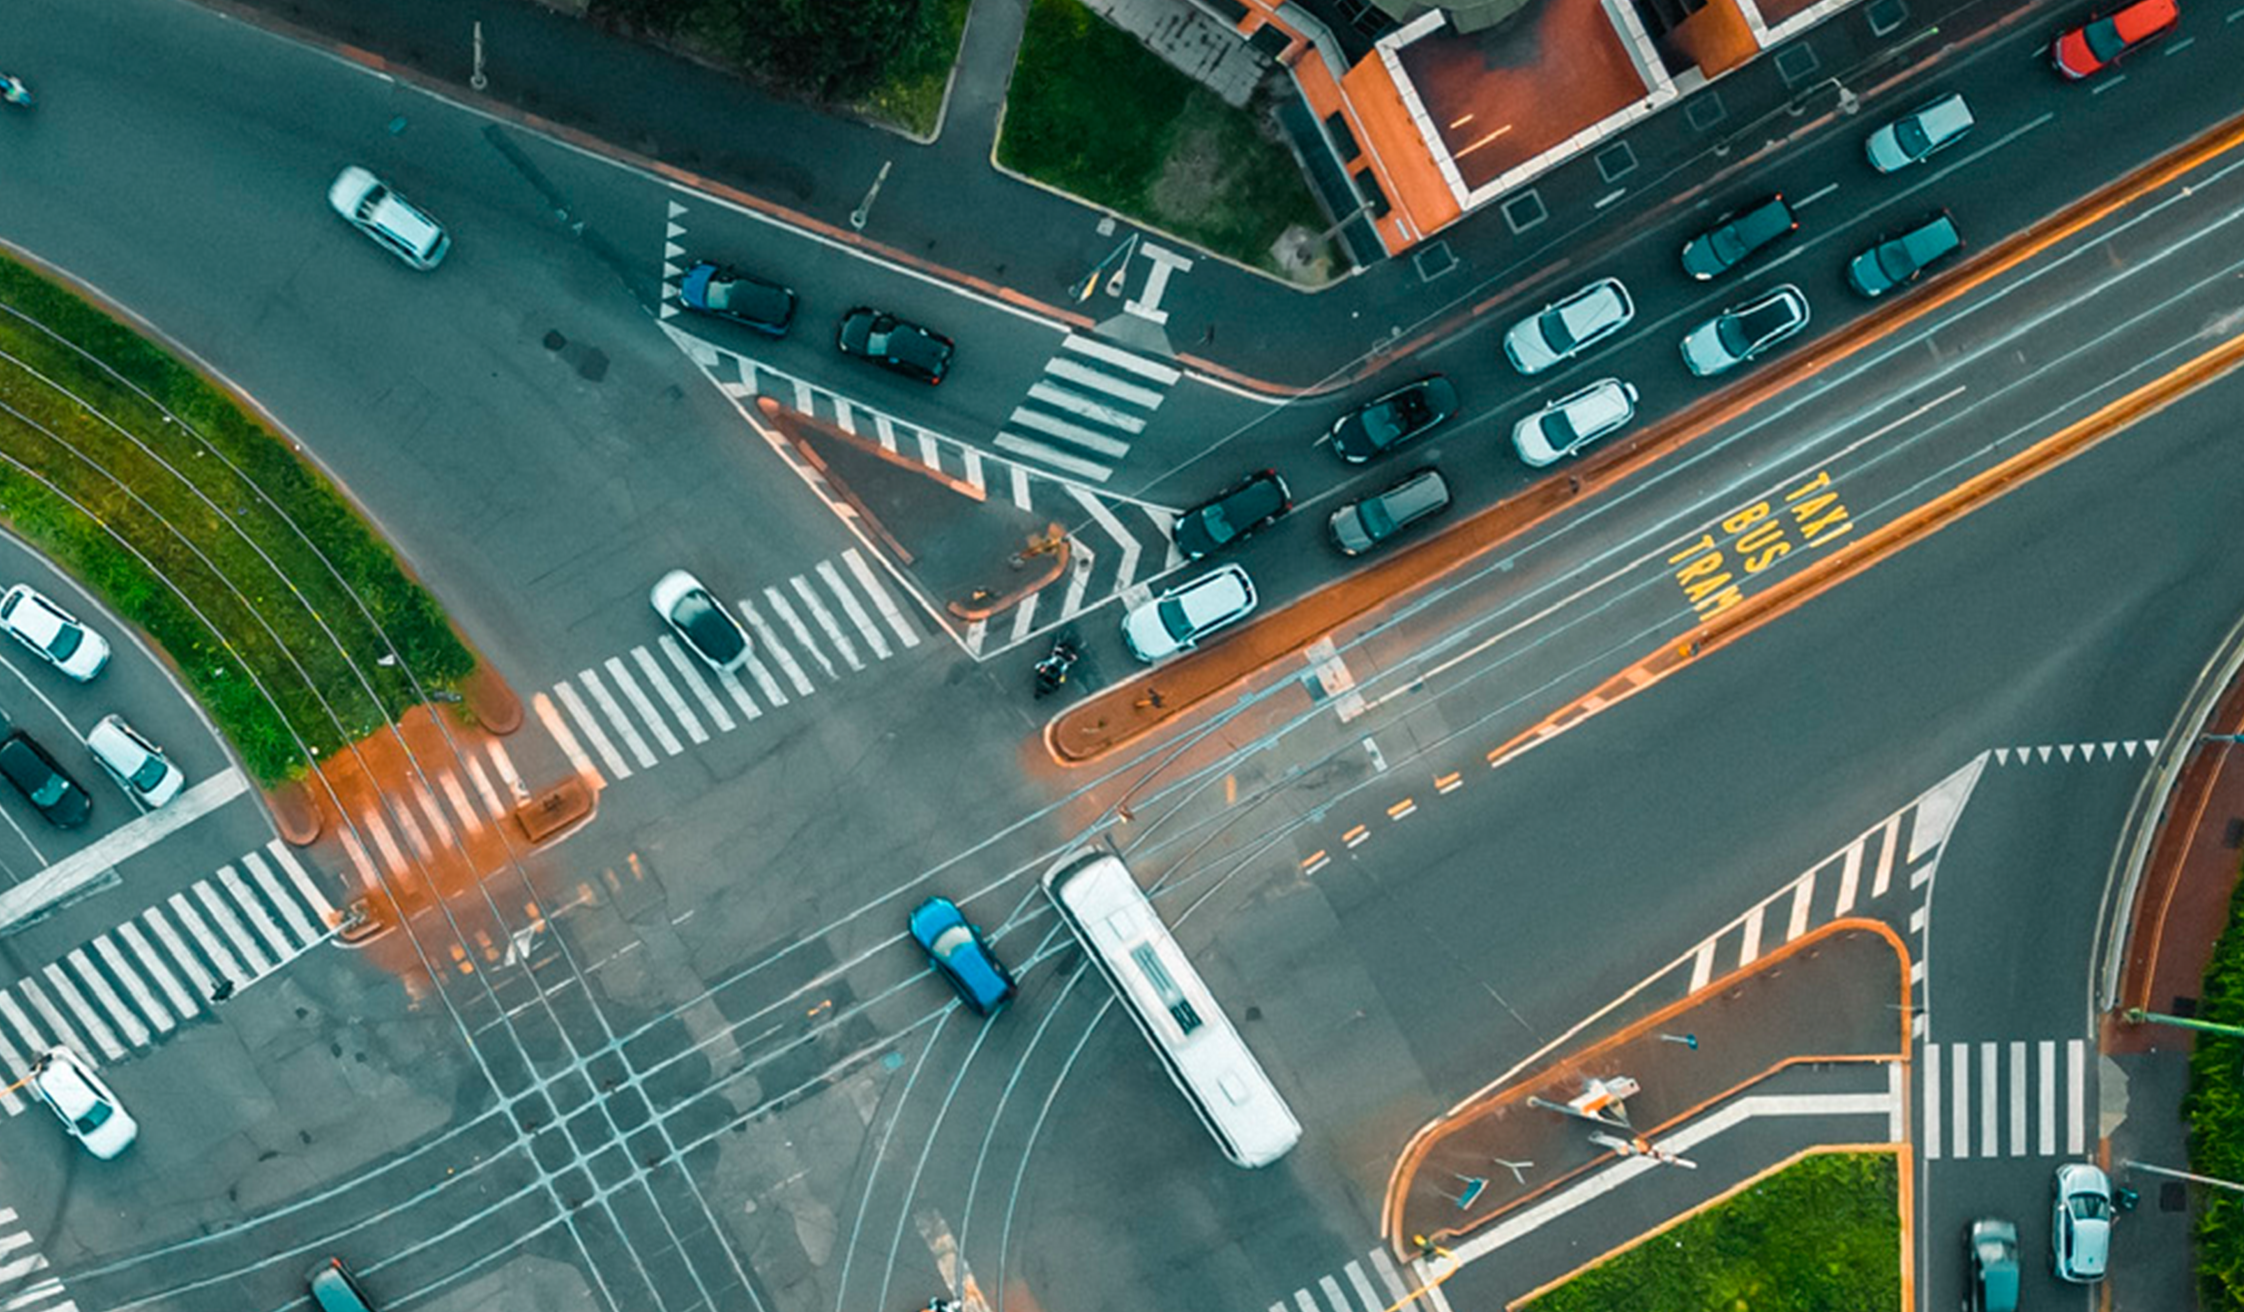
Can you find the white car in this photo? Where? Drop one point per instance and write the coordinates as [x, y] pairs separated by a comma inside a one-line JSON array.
[[1567, 327], [140, 766], [2081, 1225], [1565, 426], [54, 633], [1176, 620], [1916, 135], [700, 620], [368, 204], [1745, 330], [88, 1109]]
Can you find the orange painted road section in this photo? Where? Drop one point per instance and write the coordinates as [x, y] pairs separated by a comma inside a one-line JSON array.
[[1118, 716]]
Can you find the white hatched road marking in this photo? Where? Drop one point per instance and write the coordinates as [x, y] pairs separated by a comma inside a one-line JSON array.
[[1888, 835], [1702, 966], [691, 677], [158, 969], [870, 581], [1165, 375], [1020, 487], [181, 955], [828, 572], [777, 600], [638, 698], [298, 924], [1849, 875], [826, 621], [1750, 950], [679, 711], [89, 1020], [559, 729], [1802, 893], [252, 956], [778, 650], [157, 1013], [213, 945], [1126, 571]]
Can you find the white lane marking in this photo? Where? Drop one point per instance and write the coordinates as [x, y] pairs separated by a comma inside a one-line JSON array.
[[830, 574], [696, 685], [645, 706], [106, 852], [583, 716], [1750, 950], [778, 650], [679, 711], [889, 611], [159, 970], [1814, 196], [1137, 364], [1020, 487], [827, 622], [617, 720]]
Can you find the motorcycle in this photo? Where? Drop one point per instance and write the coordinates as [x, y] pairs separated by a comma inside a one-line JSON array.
[[1052, 671], [15, 91]]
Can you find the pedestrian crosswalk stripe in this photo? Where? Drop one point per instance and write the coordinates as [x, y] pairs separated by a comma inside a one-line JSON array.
[[870, 581], [252, 957], [1021, 486], [974, 476], [95, 1028], [158, 969], [1803, 893], [1850, 875], [245, 904], [299, 924], [734, 689], [1090, 439], [1114, 355], [616, 721], [483, 789], [623, 723], [157, 1013], [1145, 398], [1053, 456], [2018, 1100], [777, 600], [1332, 1293], [100, 999], [1989, 1127], [456, 793], [37, 1041], [832, 578], [559, 728], [213, 945], [437, 823], [1078, 404], [188, 963], [393, 859], [16, 1062], [2010, 1116], [669, 693], [778, 650], [406, 825], [825, 619], [1362, 1285], [504, 764], [2048, 1108], [691, 677]]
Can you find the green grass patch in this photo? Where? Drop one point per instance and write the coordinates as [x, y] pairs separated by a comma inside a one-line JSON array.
[[911, 84], [1822, 1235], [1095, 114], [241, 562], [2215, 1110]]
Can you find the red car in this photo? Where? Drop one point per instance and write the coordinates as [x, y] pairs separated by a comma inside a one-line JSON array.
[[2098, 44]]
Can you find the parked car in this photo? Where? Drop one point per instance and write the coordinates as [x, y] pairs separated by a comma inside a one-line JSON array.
[[895, 344], [1991, 1247], [727, 293], [1904, 256], [140, 768], [335, 1289], [54, 634], [1745, 330], [1565, 426], [1178, 619], [699, 620], [46, 785], [1384, 423], [1569, 326], [962, 956], [1236, 514], [1918, 134], [2111, 35], [395, 223], [1736, 236], [2081, 1227], [86, 1107], [1361, 525]]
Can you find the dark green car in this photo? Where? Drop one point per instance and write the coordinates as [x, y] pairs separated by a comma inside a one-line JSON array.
[[1902, 258], [1992, 1247]]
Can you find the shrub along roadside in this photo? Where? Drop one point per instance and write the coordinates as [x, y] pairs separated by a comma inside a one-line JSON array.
[[1821, 1235], [184, 529], [2215, 1109]]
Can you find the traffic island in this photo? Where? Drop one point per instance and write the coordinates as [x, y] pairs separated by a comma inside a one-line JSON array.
[[1817, 1027]]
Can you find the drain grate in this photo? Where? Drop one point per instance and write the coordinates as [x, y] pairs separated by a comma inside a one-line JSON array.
[[1524, 211], [1705, 110], [1616, 162]]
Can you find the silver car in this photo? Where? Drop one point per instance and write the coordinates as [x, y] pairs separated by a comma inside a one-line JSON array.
[[1565, 328], [1570, 423], [1917, 135], [1745, 330], [1361, 525], [393, 222], [2081, 1227]]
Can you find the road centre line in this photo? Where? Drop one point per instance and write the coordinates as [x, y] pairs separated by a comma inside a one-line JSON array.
[[1814, 196]]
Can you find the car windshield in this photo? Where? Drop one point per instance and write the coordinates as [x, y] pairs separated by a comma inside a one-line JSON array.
[[150, 773], [49, 791], [1731, 331], [1216, 523], [1173, 619], [2103, 39], [1383, 424], [1909, 133], [952, 942], [1551, 325], [707, 626], [2089, 1207], [1895, 262], [94, 1117], [1727, 243], [1377, 523], [65, 642], [1558, 426]]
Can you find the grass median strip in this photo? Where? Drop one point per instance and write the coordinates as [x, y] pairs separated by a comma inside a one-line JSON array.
[[187, 518], [1821, 1235]]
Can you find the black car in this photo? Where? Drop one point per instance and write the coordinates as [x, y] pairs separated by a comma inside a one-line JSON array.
[[34, 773], [1903, 257], [1386, 422], [1736, 236], [892, 343], [727, 293], [1252, 503]]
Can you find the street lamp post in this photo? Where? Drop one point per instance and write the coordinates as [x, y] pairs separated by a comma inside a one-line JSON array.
[[2137, 1016]]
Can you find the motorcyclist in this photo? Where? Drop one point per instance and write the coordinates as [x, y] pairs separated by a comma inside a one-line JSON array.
[[14, 90]]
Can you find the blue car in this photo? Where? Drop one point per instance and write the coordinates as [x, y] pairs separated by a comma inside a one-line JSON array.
[[960, 954]]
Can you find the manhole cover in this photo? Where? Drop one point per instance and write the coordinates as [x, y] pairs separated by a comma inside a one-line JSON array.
[[1616, 162], [1705, 110], [1434, 260], [1796, 63], [1524, 211], [1886, 15]]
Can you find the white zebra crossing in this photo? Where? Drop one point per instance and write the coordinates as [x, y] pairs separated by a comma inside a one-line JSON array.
[[1083, 415], [24, 1284], [2020, 1084], [1415, 1292], [839, 606]]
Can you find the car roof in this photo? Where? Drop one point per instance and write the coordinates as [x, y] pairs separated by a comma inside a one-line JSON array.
[[23, 760]]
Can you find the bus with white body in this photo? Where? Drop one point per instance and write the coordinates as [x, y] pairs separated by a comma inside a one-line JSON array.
[[1116, 924]]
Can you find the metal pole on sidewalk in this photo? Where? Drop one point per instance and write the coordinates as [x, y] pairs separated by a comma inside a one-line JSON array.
[[2182, 1175], [2137, 1016]]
